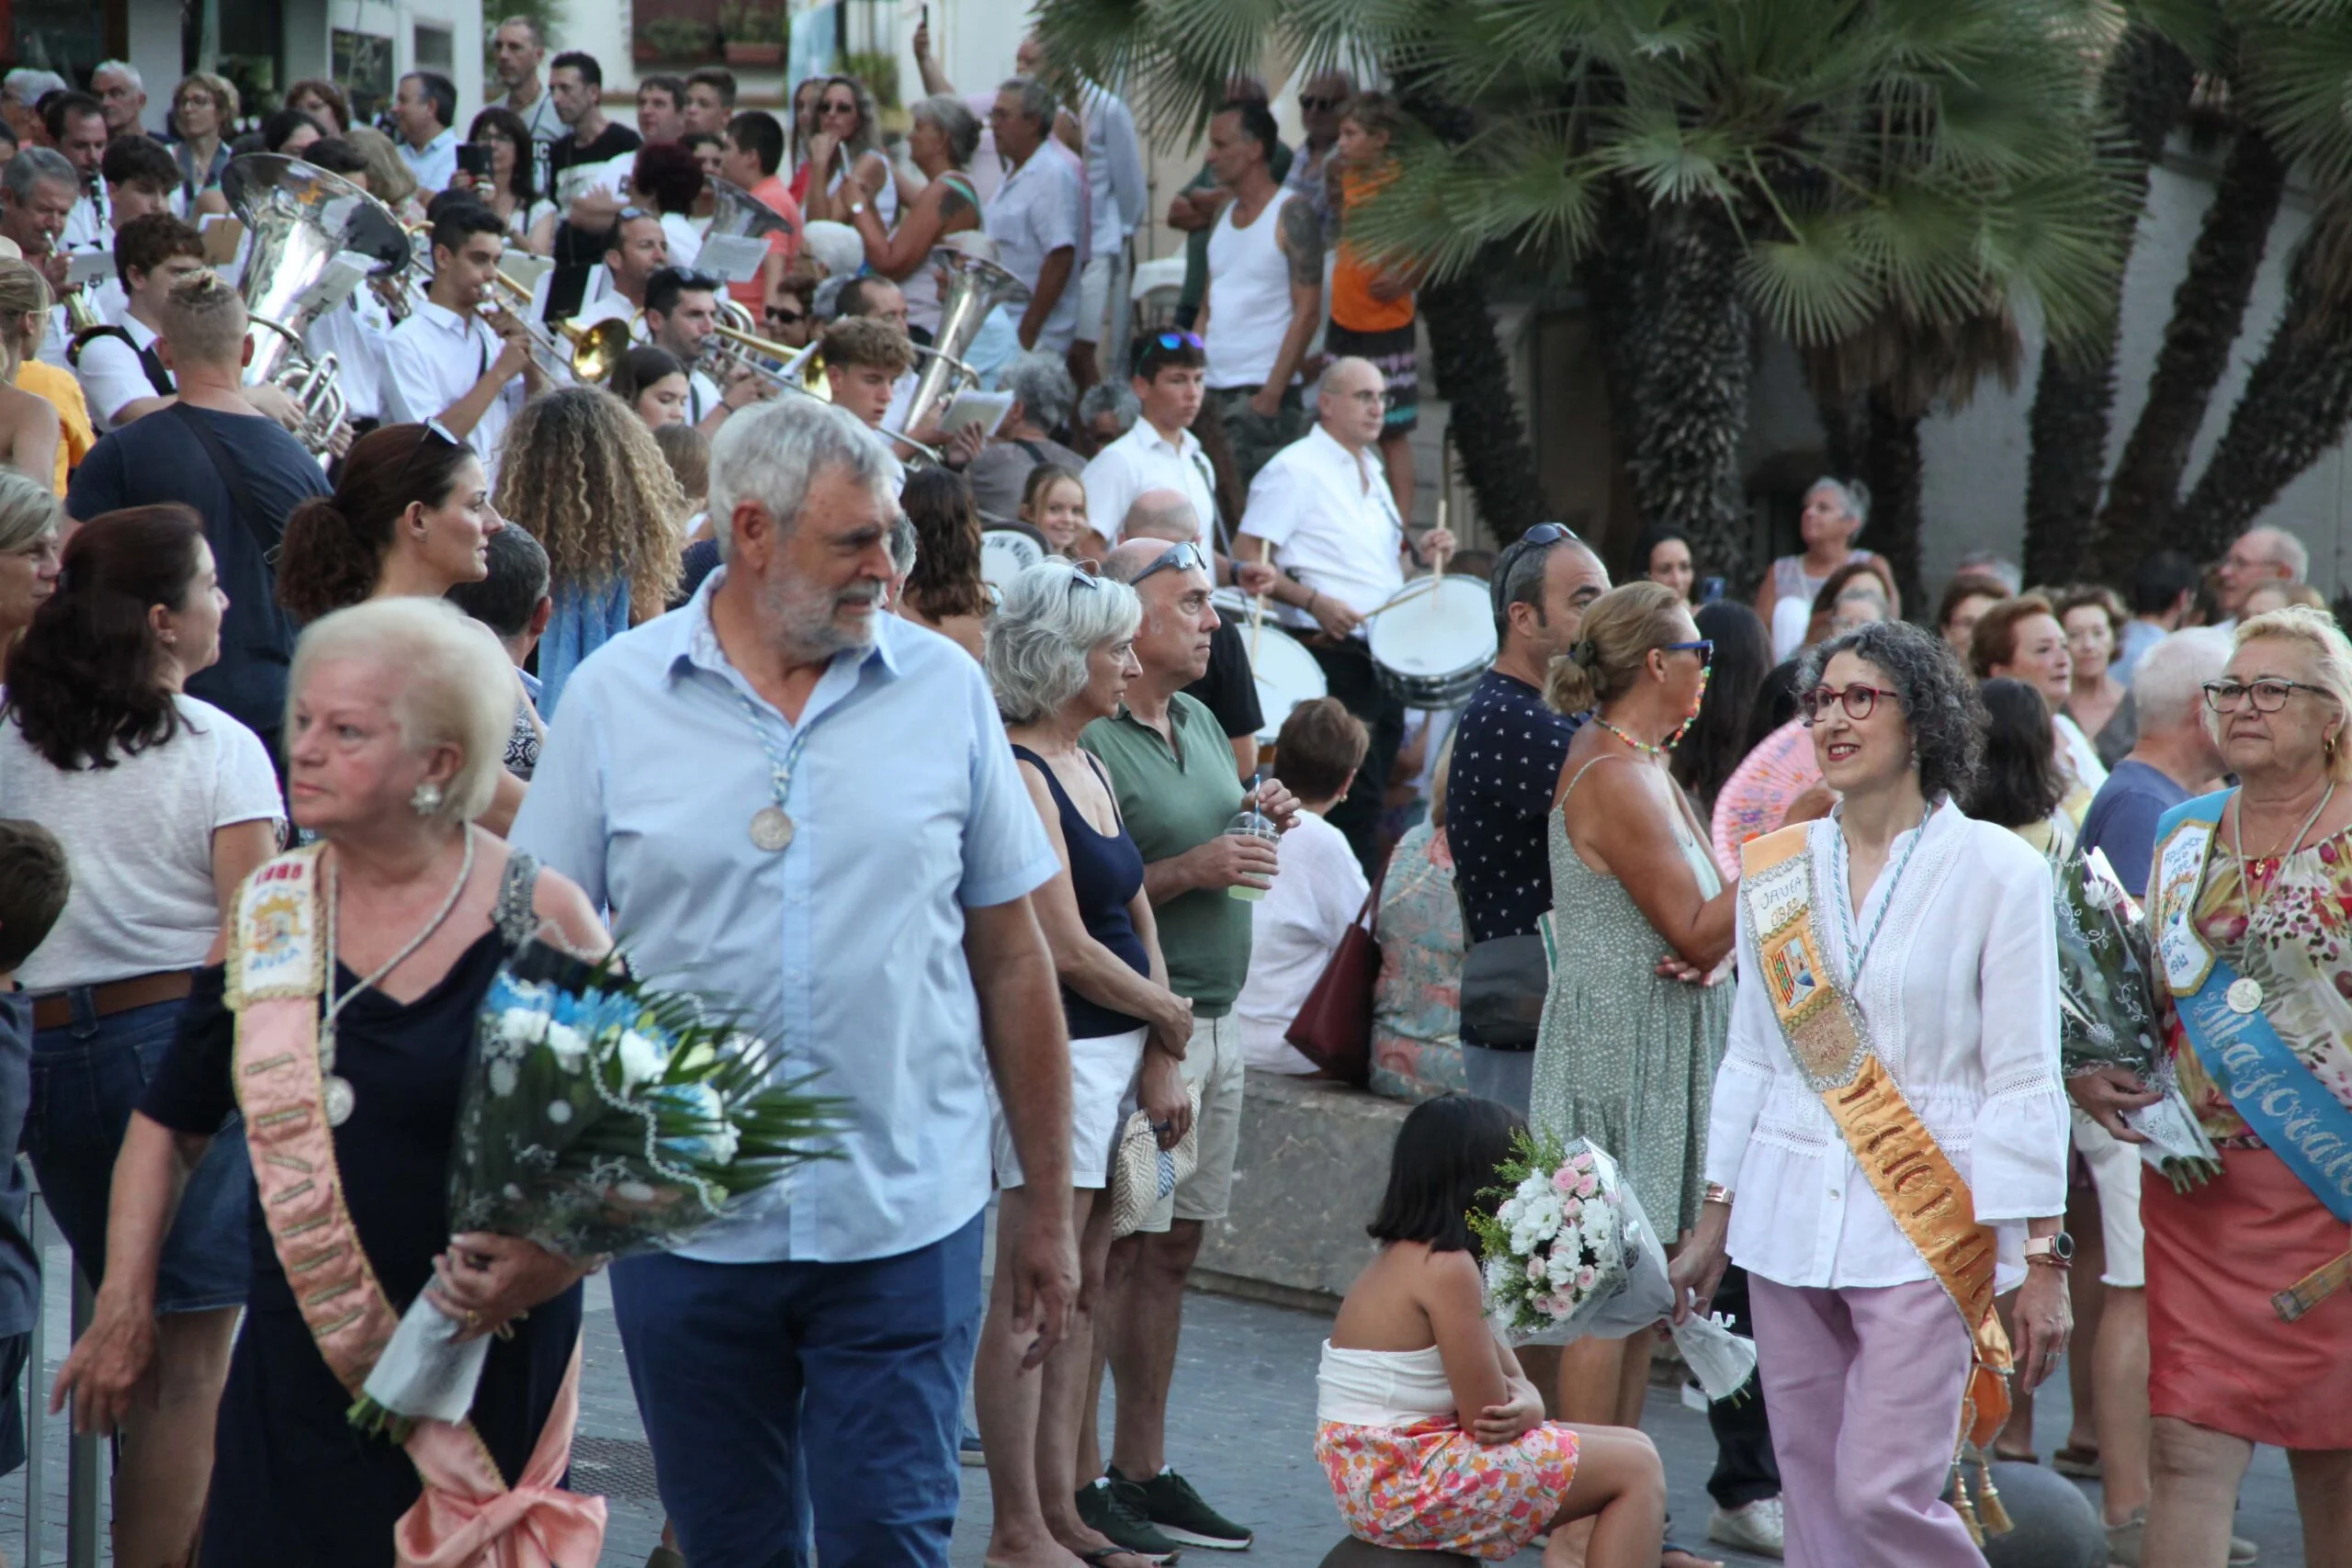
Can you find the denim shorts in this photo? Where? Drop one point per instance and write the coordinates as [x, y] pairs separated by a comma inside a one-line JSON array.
[[88, 1075]]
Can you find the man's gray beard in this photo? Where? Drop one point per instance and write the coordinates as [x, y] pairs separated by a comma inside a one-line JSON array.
[[801, 617]]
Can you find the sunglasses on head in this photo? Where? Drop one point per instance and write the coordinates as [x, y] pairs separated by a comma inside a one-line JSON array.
[[1541, 536], [1185, 557], [433, 430]]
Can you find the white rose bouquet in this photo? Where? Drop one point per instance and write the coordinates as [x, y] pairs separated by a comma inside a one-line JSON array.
[[1568, 1253], [600, 1118]]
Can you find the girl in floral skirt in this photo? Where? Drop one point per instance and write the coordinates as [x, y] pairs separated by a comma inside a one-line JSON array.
[[1432, 1437]]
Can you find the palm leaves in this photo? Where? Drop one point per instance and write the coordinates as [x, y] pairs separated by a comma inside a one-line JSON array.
[[1818, 167]]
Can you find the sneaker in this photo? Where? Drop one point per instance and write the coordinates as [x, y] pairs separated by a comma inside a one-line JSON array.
[[1752, 1527], [1176, 1512], [968, 1452], [1109, 1509], [2242, 1551]]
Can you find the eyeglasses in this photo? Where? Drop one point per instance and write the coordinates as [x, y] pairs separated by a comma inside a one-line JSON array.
[[1704, 647], [2270, 695], [1185, 556], [434, 429], [1859, 701], [1315, 104], [787, 318]]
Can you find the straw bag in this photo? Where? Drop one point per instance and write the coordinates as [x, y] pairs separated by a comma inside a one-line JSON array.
[[1142, 1173]]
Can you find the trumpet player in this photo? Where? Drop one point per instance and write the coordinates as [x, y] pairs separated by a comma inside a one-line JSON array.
[[76, 124], [682, 315], [451, 362]]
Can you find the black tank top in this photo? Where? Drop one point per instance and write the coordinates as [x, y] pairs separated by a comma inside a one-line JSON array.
[[1105, 871]]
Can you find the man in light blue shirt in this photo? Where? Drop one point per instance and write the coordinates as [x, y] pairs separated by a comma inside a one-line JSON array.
[[800, 805], [425, 111]]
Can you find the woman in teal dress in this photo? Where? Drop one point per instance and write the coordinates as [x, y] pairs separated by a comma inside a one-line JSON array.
[[1633, 1028]]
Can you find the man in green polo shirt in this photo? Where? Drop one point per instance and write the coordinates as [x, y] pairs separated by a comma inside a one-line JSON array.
[[1172, 768]]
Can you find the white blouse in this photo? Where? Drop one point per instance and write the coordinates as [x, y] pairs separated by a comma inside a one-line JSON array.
[[1961, 1003]]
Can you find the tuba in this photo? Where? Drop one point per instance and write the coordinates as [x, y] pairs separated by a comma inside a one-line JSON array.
[[300, 222], [973, 288]]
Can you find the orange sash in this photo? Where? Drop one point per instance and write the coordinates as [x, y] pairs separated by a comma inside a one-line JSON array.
[[1909, 1172], [468, 1518]]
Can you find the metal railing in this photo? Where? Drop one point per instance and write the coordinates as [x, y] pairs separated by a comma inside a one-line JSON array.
[[84, 1456]]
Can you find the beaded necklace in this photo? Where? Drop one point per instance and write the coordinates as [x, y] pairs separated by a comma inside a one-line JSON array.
[[1845, 901]]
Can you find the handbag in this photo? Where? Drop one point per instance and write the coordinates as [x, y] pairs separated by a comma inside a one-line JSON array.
[[1143, 1174], [1333, 1029]]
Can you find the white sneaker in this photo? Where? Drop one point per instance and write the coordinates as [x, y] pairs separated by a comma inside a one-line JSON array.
[[1752, 1527]]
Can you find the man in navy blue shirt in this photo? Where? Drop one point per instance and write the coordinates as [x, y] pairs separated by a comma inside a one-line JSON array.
[[1507, 753], [2172, 760]]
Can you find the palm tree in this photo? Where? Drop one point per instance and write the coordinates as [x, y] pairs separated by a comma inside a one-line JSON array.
[[1807, 167]]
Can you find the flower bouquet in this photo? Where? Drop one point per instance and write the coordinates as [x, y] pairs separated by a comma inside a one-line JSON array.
[[2108, 1013], [600, 1117], [1569, 1252]]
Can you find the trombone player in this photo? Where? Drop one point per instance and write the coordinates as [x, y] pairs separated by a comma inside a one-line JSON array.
[[682, 315], [450, 362]]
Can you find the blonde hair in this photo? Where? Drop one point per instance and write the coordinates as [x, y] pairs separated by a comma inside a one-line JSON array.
[[585, 478], [1620, 629], [25, 298], [2332, 670], [220, 89], [389, 179], [451, 684], [204, 319]]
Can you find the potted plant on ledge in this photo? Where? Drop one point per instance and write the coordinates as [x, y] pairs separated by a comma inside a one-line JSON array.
[[754, 31]]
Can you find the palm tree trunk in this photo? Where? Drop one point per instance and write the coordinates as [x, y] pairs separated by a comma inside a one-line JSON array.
[[2208, 312], [2294, 407], [1474, 377], [2147, 84], [1677, 344], [1891, 465]]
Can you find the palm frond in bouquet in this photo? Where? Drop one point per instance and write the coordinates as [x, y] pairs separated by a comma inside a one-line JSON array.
[[1568, 1252], [2108, 1014], [600, 1117]]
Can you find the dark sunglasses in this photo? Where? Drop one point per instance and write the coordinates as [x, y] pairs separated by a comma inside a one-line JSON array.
[[786, 318], [1542, 537], [433, 430], [1313, 104], [1177, 557]]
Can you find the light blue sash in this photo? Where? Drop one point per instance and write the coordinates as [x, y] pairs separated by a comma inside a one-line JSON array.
[[2287, 1107]]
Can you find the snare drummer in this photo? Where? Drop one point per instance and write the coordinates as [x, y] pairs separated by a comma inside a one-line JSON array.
[[1323, 507]]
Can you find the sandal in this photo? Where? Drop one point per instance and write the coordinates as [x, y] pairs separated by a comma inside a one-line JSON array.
[[1093, 1556], [2029, 1457], [2081, 1463]]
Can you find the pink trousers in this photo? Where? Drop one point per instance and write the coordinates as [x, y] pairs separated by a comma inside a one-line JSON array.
[[1864, 1387]]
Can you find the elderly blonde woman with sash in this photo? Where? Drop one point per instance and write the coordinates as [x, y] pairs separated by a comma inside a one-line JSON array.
[[1887, 1150], [341, 1023], [2248, 1320]]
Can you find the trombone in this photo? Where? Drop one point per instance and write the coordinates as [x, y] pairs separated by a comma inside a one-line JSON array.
[[587, 355]]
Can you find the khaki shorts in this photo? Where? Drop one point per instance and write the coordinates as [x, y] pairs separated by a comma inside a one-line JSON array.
[[1094, 297], [1212, 1065], [2115, 1171]]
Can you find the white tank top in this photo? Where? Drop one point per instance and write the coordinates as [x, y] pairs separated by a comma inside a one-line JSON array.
[[1380, 1388], [886, 201], [1249, 297]]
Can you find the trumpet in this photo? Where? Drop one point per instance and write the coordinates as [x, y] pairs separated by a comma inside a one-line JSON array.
[[728, 349], [587, 355]]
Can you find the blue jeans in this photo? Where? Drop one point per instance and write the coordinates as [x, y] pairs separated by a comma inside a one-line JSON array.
[[730, 1360], [88, 1076]]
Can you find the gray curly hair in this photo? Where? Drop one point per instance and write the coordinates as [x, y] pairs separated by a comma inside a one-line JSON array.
[[1038, 640], [1938, 700]]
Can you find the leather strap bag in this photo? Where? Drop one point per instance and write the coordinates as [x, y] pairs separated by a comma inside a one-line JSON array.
[[1333, 1029]]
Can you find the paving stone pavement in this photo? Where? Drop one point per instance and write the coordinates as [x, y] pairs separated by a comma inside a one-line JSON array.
[[1241, 1424]]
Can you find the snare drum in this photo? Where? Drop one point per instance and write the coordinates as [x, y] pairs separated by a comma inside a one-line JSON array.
[[1286, 673], [1434, 640], [1006, 553]]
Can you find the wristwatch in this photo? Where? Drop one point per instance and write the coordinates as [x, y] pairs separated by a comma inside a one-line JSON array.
[[2056, 1250], [857, 210]]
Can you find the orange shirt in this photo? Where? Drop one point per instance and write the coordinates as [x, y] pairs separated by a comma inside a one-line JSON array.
[[777, 197], [1353, 303], [74, 434]]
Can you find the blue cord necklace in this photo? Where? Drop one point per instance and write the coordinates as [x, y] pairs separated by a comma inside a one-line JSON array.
[[772, 826], [1845, 902]]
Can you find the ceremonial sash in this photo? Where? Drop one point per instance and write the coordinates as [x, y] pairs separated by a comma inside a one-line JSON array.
[[468, 1517], [1911, 1175], [2280, 1098]]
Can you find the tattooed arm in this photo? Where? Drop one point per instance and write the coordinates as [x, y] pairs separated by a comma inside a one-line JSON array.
[[1301, 239], [943, 208]]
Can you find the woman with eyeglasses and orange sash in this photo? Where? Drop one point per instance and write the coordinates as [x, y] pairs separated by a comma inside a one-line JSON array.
[[1887, 1146], [2248, 1314]]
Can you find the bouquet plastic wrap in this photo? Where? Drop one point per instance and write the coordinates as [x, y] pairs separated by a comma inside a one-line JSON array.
[[2108, 1013], [600, 1118], [1569, 1253]]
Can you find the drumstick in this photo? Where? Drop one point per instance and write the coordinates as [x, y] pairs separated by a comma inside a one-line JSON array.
[[1438, 570], [1258, 606]]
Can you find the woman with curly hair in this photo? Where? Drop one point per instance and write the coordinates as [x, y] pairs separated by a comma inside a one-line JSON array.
[[945, 590], [1898, 1010], [584, 474]]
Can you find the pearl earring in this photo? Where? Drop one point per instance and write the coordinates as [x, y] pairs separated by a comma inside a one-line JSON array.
[[426, 798]]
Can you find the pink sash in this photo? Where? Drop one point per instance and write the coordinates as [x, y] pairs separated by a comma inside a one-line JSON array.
[[468, 1517]]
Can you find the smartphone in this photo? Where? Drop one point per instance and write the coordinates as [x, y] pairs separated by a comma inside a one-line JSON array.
[[1711, 591], [473, 160]]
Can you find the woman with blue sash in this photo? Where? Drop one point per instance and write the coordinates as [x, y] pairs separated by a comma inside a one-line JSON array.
[[2251, 913]]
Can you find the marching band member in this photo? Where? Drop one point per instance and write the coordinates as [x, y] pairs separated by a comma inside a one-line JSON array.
[[38, 191], [682, 315], [637, 247], [77, 128], [864, 359], [358, 331], [123, 374], [446, 362]]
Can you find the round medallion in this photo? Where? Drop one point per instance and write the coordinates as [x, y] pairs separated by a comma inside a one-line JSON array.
[[2245, 995], [771, 829], [341, 1100]]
